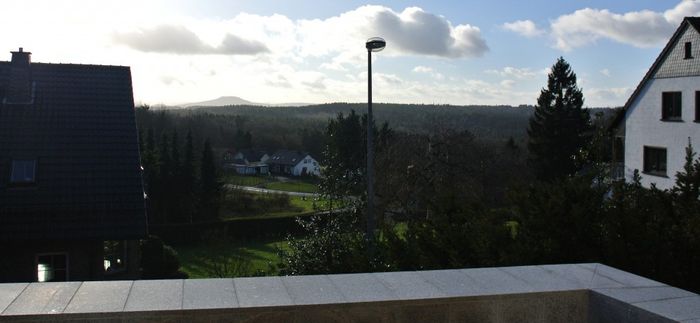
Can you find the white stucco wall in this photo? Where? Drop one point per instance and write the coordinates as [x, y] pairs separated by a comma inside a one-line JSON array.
[[644, 128], [312, 167]]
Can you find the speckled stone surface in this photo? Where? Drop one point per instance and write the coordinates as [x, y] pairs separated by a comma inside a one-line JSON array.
[[577, 293]]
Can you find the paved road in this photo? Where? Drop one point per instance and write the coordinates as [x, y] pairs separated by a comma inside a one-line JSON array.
[[264, 190]]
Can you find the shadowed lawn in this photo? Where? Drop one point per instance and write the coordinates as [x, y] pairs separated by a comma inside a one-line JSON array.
[[241, 180], [266, 205], [295, 186], [226, 258]]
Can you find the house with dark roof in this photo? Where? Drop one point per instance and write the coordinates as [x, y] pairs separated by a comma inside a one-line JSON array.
[[294, 163], [71, 192], [662, 116], [247, 161]]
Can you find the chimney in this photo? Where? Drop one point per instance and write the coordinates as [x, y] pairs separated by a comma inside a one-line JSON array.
[[20, 83]]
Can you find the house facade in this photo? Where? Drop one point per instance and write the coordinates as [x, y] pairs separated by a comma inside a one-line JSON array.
[[71, 191], [293, 163], [247, 161], [662, 116]]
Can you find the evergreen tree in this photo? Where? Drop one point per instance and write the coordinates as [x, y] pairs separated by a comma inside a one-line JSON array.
[[188, 178], [163, 181], [175, 189], [149, 161], [210, 187], [559, 129], [688, 180], [345, 156], [175, 154]]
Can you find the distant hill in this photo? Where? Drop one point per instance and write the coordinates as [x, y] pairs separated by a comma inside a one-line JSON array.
[[234, 100]]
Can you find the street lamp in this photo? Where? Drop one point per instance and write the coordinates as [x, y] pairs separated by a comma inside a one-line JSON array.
[[374, 44]]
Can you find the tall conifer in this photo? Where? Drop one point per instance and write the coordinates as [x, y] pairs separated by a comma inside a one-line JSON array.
[[560, 128]]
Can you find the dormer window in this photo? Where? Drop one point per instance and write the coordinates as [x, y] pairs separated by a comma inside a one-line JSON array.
[[688, 50], [23, 171]]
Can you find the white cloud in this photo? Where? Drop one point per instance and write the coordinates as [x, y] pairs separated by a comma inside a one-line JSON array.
[[299, 62], [410, 32], [638, 28], [174, 39], [507, 84], [429, 71], [423, 69], [525, 28], [607, 97], [514, 72], [605, 72]]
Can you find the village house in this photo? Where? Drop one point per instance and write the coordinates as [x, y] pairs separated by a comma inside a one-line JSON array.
[[247, 161], [662, 116], [71, 192], [294, 163]]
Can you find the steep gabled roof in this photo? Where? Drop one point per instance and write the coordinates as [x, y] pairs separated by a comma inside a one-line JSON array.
[[253, 155], [81, 129], [687, 21], [287, 157]]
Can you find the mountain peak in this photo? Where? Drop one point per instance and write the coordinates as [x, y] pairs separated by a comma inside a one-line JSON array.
[[221, 101]]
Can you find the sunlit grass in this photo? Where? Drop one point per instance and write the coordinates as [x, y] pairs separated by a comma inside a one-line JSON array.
[[293, 186], [257, 257]]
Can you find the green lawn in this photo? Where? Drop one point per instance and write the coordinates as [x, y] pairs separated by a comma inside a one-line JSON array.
[[225, 258], [297, 206], [241, 180], [293, 186]]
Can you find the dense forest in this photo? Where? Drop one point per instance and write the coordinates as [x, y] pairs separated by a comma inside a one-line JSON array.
[[301, 128]]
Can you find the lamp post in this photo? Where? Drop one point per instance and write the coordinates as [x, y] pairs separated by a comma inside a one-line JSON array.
[[374, 44]]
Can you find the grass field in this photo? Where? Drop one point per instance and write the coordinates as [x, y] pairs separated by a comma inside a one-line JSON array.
[[241, 180], [225, 258], [270, 182], [294, 186], [297, 206]]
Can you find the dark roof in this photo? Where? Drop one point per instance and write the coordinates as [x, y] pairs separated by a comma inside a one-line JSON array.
[[687, 21], [81, 129], [287, 157], [252, 155]]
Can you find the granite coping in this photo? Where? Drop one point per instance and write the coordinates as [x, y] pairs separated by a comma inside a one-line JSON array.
[[168, 296]]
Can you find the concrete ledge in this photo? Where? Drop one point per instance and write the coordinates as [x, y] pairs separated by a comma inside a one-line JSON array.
[[550, 293]]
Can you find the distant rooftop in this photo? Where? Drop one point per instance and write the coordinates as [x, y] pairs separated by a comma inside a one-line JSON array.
[[550, 293]]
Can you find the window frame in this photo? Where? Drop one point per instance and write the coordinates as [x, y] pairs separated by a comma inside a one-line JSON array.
[[688, 50], [697, 106], [654, 167], [53, 254], [121, 251], [672, 106], [14, 163]]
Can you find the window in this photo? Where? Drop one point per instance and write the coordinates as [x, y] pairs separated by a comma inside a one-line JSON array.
[[655, 161], [114, 256], [688, 50], [671, 106], [52, 267], [23, 171], [697, 106]]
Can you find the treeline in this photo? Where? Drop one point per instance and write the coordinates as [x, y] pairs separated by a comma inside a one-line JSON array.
[[301, 128], [180, 176], [236, 131], [488, 122]]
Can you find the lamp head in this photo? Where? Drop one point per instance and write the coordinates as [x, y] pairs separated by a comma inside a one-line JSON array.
[[375, 44]]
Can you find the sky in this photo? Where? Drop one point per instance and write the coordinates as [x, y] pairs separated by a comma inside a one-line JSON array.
[[438, 52]]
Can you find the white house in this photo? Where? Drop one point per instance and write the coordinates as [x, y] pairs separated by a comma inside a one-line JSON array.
[[295, 163], [663, 113], [247, 162]]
